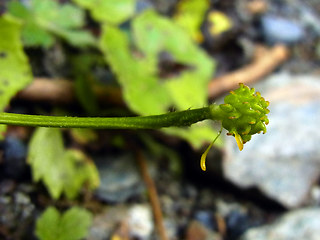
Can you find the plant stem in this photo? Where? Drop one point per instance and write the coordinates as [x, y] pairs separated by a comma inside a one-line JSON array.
[[172, 119]]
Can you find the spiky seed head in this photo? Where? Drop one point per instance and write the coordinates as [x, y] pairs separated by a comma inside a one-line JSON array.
[[245, 114]]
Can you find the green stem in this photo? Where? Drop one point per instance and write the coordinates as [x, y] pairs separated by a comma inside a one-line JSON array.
[[173, 119]]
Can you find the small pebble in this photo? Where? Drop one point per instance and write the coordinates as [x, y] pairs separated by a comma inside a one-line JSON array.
[[14, 164], [295, 225], [205, 218], [120, 179], [281, 30], [140, 222]]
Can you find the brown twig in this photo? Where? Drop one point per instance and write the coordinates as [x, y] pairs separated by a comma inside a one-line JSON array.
[[221, 224], [61, 91], [49, 90], [257, 6], [153, 195], [263, 64]]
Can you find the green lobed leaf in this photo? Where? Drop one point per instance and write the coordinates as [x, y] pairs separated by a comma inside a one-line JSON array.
[[46, 159], [145, 91], [47, 223], [35, 36], [190, 15], [154, 34], [15, 73], [72, 225], [82, 171], [43, 18], [110, 11], [136, 66], [140, 86], [77, 38], [62, 171]]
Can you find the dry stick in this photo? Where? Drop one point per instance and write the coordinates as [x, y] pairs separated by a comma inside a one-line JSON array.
[[61, 91], [50, 90], [221, 225], [264, 64], [257, 6], [153, 195]]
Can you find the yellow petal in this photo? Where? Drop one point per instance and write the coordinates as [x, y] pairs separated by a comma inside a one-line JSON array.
[[239, 141], [204, 155]]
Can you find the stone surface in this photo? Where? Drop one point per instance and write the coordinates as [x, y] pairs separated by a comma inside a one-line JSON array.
[[17, 212], [120, 178], [238, 218], [123, 222], [285, 162], [281, 30], [13, 164], [140, 221], [105, 223], [296, 225]]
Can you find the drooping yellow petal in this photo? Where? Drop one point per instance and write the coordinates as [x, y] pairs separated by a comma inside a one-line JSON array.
[[239, 141], [204, 155]]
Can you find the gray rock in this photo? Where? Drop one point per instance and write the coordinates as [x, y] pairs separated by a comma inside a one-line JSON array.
[[136, 220], [17, 213], [120, 179], [140, 221], [309, 17], [105, 223], [205, 218], [304, 11], [281, 30], [296, 225], [285, 162], [239, 217]]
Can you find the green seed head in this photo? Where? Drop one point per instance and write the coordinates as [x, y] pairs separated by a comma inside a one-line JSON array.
[[245, 114]]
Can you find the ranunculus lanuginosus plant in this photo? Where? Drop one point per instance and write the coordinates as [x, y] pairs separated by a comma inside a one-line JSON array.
[[243, 114]]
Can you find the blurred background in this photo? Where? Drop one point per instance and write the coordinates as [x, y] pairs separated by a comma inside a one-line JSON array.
[[107, 58]]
